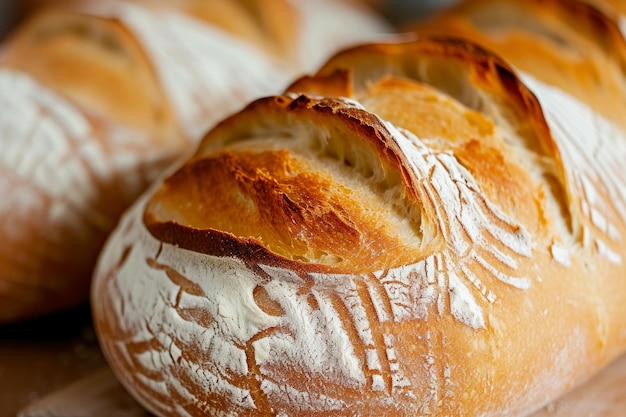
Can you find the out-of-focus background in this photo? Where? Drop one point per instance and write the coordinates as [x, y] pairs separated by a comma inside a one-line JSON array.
[[9, 15], [401, 12], [398, 12]]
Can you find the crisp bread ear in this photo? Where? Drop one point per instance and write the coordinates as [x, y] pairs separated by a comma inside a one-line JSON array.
[[311, 181]]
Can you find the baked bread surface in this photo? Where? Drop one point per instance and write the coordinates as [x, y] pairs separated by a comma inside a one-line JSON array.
[[417, 229]]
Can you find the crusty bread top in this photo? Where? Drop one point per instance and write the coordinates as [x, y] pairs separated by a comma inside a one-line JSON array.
[[575, 46], [534, 180], [484, 116], [293, 194], [97, 96], [521, 106]]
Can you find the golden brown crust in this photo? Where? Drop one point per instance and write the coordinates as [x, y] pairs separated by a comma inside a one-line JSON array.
[[478, 77], [284, 201]]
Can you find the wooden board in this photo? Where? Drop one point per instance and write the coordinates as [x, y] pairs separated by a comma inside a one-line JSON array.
[[100, 395], [44, 355], [602, 396]]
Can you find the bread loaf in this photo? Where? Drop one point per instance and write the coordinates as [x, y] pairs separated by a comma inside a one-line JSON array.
[[421, 228], [76, 151], [96, 98]]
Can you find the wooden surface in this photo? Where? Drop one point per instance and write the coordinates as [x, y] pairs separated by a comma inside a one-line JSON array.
[[602, 396], [100, 395], [41, 356]]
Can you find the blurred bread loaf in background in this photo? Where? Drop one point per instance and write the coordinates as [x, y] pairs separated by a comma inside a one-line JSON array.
[[575, 46], [97, 98]]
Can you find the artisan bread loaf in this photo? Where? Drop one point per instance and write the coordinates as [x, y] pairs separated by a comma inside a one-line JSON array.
[[97, 98], [418, 229]]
